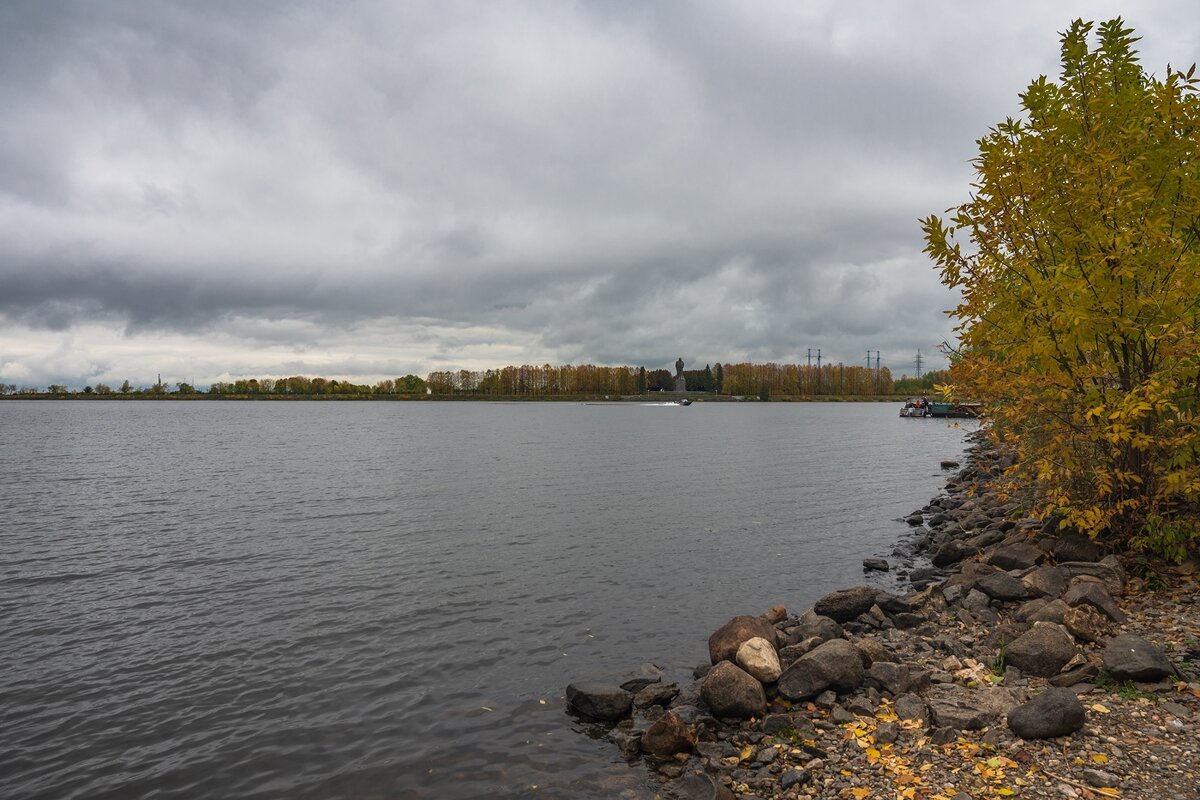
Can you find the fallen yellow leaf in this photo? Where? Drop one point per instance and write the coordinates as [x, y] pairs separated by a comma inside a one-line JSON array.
[[1100, 709], [860, 793], [747, 751], [1100, 758], [1109, 791]]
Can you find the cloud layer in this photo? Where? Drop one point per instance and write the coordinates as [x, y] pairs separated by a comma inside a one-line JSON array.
[[210, 190]]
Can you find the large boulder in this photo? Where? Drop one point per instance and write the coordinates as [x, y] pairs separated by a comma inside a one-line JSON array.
[[730, 691], [846, 604], [1042, 651], [757, 656], [1054, 712], [836, 664], [1089, 590], [667, 736], [1130, 657], [1016, 556], [725, 641], [599, 700]]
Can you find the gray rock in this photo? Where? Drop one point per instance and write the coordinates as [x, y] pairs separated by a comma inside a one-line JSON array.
[[794, 777], [835, 664], [898, 679], [1099, 778], [955, 706], [1130, 657], [1086, 623], [910, 706], [915, 520], [758, 657], [599, 700], [667, 736], [725, 641], [696, 786], [1086, 589], [944, 735], [1054, 712], [730, 691], [656, 694], [878, 564], [1025, 611], [1046, 580], [846, 604], [872, 649], [812, 624], [1107, 569], [1054, 611], [1082, 673], [1074, 547], [1043, 650], [887, 733], [976, 600], [789, 654], [948, 464], [1002, 586], [951, 553], [1016, 556], [645, 675]]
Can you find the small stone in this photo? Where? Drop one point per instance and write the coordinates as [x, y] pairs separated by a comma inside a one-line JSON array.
[[943, 735], [1099, 778], [887, 733], [877, 564], [794, 777], [910, 706]]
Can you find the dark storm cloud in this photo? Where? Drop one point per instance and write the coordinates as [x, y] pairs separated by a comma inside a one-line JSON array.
[[498, 181]]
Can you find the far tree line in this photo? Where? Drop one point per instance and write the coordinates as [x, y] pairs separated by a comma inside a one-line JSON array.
[[743, 379]]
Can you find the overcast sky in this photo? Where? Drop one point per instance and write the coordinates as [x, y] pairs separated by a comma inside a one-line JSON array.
[[215, 189]]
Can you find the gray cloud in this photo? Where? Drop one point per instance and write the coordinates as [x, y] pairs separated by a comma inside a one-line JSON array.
[[388, 189]]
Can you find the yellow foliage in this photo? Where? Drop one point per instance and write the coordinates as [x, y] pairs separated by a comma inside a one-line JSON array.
[[1078, 322]]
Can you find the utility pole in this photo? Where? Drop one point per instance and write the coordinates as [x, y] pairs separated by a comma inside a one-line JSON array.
[[810, 356]]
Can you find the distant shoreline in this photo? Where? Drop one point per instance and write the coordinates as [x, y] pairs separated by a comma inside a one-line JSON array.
[[696, 397]]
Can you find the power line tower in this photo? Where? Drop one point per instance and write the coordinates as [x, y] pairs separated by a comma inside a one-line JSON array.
[[919, 361]]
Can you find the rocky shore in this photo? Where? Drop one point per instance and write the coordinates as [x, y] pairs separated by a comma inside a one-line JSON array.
[[1021, 664]]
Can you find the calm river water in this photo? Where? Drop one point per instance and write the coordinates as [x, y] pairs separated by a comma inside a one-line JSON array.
[[386, 600]]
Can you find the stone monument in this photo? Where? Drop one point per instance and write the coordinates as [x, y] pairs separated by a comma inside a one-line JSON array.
[[680, 383]]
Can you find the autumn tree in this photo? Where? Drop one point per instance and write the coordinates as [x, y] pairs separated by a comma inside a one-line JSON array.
[[1077, 261]]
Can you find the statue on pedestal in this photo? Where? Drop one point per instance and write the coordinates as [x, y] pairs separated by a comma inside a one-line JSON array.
[[680, 383]]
